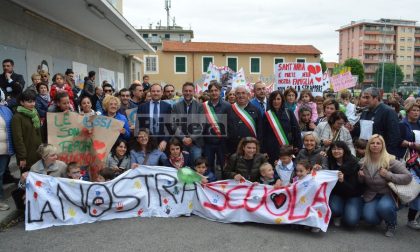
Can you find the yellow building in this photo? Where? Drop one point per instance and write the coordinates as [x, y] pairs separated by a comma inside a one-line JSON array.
[[179, 62]]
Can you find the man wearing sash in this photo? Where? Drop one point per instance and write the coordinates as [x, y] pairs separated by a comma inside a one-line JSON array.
[[215, 110], [244, 119], [280, 127]]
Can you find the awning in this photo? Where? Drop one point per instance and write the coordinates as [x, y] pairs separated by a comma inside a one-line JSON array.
[[97, 20]]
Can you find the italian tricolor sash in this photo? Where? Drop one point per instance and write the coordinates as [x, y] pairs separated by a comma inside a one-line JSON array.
[[245, 118], [276, 127], [212, 118]]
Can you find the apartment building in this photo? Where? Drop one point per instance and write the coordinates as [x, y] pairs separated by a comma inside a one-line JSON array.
[[384, 40], [179, 62], [156, 36]]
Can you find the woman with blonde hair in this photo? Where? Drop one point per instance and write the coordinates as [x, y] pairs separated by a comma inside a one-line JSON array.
[[378, 168], [111, 105]]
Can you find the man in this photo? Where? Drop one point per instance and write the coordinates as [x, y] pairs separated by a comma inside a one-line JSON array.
[[146, 84], [154, 114], [169, 94], [244, 119], [399, 97], [189, 112], [124, 95], [70, 76], [385, 120], [9, 79], [97, 97], [89, 86], [215, 111], [136, 95], [36, 79], [260, 99]]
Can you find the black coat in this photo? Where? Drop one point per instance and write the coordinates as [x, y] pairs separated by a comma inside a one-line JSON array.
[[16, 78], [144, 120], [271, 146], [221, 110], [350, 187]]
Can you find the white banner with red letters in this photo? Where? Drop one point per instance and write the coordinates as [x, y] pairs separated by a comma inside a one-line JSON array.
[[157, 192]]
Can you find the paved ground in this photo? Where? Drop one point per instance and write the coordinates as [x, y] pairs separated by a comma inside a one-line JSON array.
[[197, 234]]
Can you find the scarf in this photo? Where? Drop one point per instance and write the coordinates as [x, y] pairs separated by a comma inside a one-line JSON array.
[[45, 97], [33, 114], [177, 162]]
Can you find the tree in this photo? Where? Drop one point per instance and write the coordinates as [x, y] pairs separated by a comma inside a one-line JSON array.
[[389, 76], [356, 68], [417, 76], [323, 65]]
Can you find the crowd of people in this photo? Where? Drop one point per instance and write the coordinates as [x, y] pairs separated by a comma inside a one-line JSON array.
[[274, 138]]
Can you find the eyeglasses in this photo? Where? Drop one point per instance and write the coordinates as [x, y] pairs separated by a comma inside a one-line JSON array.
[[108, 90]]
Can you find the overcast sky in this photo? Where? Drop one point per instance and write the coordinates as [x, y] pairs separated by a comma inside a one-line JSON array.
[[297, 22]]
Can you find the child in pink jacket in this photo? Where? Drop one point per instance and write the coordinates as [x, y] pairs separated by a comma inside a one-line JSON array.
[[306, 99]]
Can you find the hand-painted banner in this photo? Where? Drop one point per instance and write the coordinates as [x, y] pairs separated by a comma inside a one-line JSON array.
[[300, 76], [157, 192], [86, 140], [131, 116], [342, 81]]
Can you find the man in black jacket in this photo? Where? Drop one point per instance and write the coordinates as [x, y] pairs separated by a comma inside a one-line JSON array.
[[10, 80]]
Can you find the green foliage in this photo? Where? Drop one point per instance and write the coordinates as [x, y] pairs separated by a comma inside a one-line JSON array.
[[356, 68], [389, 77], [417, 76], [323, 65]]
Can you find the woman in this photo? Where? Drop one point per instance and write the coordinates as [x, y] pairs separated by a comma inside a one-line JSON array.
[[312, 152], [177, 158], [345, 199], [60, 86], [85, 107], [408, 126], [305, 123], [330, 106], [291, 99], [48, 164], [26, 131], [147, 152], [43, 99], [334, 130], [379, 168], [230, 96], [119, 158], [6, 144], [111, 105], [280, 127], [245, 163]]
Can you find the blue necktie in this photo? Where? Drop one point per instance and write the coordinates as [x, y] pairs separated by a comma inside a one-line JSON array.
[[262, 106], [155, 117]]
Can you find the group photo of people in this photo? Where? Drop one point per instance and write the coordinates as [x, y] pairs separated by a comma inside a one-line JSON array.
[[274, 138]]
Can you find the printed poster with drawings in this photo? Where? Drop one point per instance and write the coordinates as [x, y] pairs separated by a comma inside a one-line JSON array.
[[301, 76], [86, 140]]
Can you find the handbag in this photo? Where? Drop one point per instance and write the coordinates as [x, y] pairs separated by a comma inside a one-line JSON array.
[[406, 193]]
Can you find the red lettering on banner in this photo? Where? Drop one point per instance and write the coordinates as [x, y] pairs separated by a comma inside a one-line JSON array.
[[324, 200]]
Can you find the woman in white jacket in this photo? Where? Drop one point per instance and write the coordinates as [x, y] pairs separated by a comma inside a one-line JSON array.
[[334, 130]]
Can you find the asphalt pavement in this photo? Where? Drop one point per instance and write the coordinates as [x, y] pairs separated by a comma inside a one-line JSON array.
[[198, 234]]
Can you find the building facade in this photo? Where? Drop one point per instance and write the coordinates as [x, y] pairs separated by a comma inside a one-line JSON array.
[[385, 40], [179, 62], [156, 36]]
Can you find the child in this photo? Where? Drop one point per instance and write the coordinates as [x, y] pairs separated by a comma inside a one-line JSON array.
[[285, 166], [268, 176], [305, 123], [106, 174], [60, 86], [306, 99], [303, 168], [201, 168], [73, 171], [360, 146]]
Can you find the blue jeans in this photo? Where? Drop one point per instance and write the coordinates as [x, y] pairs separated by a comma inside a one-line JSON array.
[[4, 163], [211, 152], [194, 150], [350, 209], [382, 207]]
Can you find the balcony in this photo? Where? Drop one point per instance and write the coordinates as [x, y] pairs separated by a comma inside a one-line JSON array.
[[371, 42], [417, 63], [154, 40], [370, 70], [370, 61], [371, 51], [387, 42], [417, 53]]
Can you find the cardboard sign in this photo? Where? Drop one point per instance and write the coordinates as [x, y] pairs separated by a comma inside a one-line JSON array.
[[342, 81], [131, 116], [86, 140], [156, 192], [300, 76]]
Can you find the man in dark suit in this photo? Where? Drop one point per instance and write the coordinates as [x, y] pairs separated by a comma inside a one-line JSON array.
[[155, 115], [9, 80], [260, 99], [189, 113]]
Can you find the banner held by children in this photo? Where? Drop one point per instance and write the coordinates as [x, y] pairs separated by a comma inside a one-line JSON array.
[[342, 81], [300, 76], [86, 140], [157, 192]]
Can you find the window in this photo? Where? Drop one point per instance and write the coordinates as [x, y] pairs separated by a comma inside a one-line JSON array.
[[180, 64], [407, 76], [154, 35], [181, 37], [155, 47], [255, 65], [409, 39], [277, 61], [401, 57], [232, 63], [206, 61], [402, 39], [151, 64], [145, 35], [408, 67], [409, 48], [167, 36], [402, 48], [300, 60], [408, 57]]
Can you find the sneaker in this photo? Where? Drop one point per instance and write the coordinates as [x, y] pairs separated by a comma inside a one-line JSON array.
[[413, 224], [390, 231], [315, 230], [4, 206], [337, 221]]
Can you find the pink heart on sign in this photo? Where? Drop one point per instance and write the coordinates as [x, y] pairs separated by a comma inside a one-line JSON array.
[[318, 79], [314, 70]]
